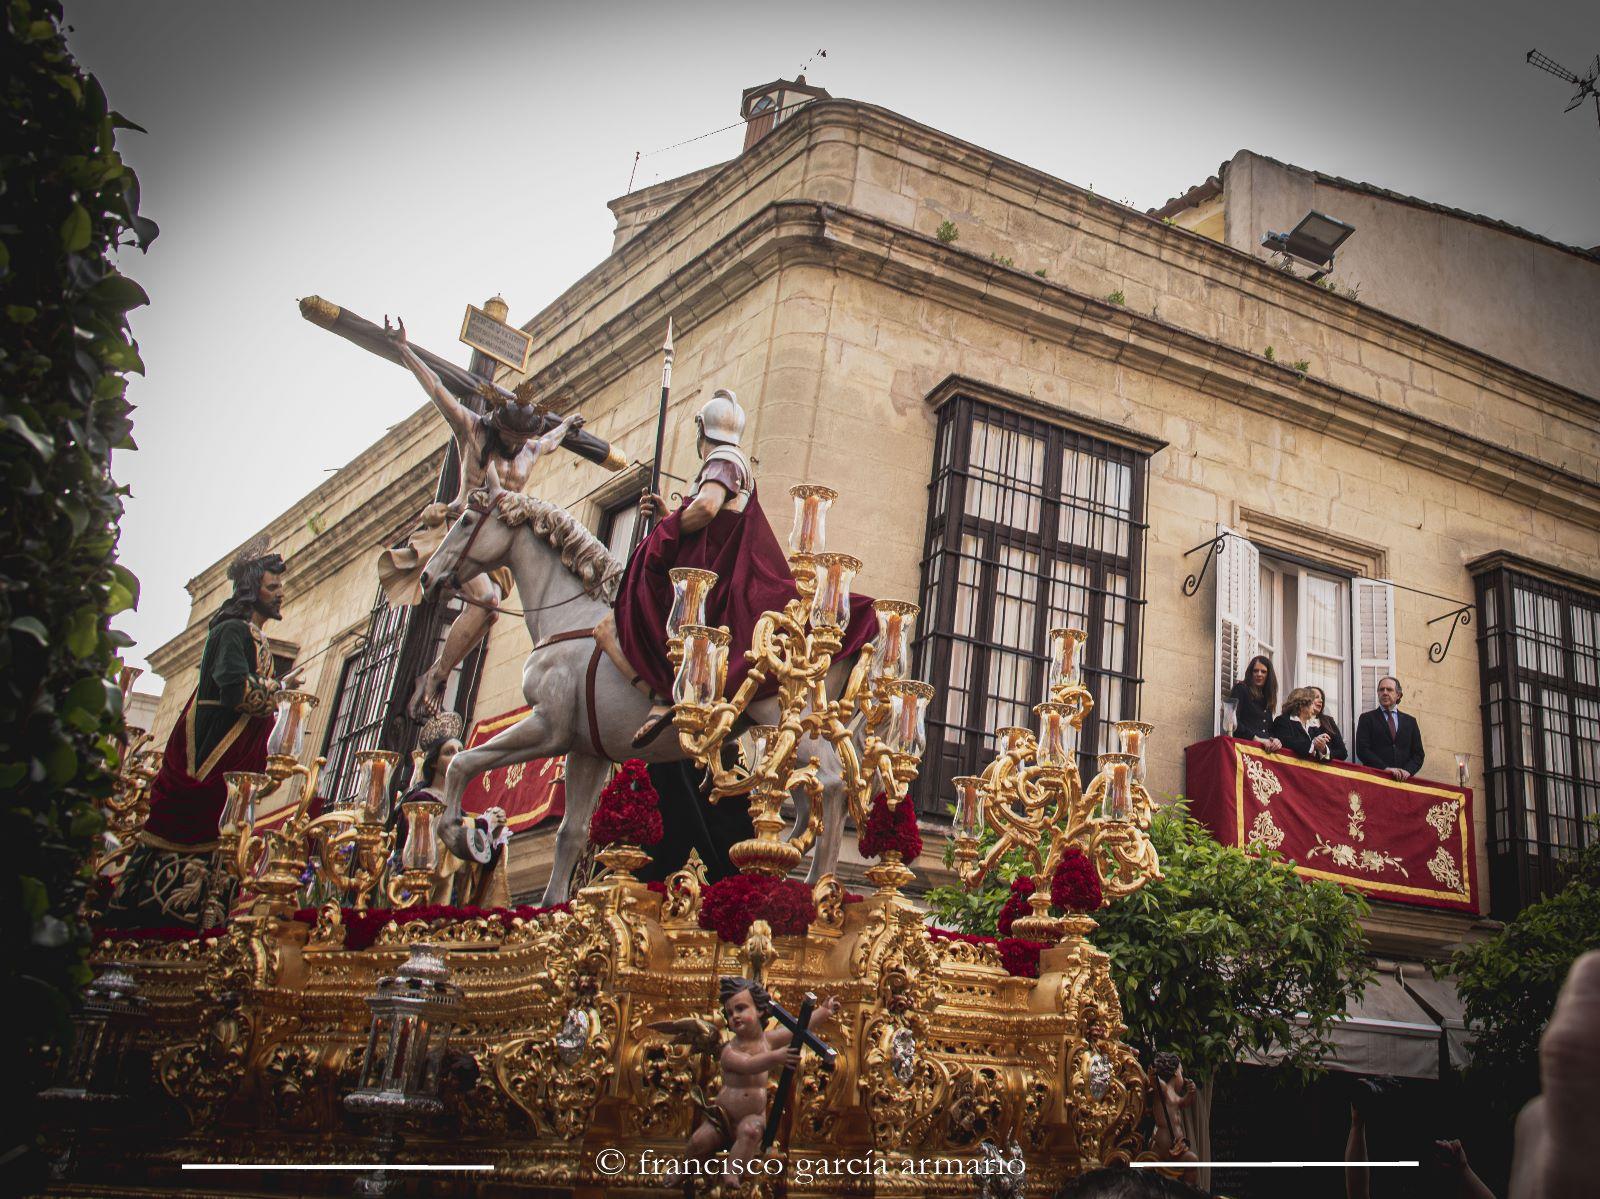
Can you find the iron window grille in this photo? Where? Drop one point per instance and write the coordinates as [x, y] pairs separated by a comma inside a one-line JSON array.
[[1539, 656], [1031, 526]]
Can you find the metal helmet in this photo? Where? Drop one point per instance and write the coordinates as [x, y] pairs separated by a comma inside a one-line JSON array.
[[720, 418]]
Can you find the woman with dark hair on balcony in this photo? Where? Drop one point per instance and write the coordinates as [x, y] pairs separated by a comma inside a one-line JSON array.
[[1297, 728], [1255, 696], [1321, 721]]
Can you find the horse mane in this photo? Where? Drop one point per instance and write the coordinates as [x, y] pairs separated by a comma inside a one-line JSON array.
[[584, 554]]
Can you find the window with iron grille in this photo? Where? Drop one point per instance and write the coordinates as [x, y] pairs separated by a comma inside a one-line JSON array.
[[1540, 660], [1030, 527], [361, 703]]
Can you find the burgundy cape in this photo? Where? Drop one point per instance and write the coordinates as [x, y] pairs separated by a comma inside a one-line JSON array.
[[752, 578], [186, 798]]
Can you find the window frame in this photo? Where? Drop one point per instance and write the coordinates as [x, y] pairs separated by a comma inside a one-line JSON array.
[[1526, 855], [963, 750]]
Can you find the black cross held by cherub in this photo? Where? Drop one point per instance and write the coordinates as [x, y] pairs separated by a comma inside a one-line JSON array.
[[802, 1036]]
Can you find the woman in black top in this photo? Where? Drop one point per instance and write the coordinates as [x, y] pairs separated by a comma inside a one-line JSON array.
[[1256, 695], [1297, 728], [1337, 750]]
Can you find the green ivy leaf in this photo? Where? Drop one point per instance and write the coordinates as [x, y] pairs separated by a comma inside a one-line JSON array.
[[32, 627], [124, 590], [118, 293], [76, 230], [43, 444]]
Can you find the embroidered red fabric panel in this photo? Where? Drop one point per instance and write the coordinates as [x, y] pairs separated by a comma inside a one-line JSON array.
[[1410, 842]]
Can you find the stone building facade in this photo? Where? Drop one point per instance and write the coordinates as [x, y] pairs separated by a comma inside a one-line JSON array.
[[1037, 405]]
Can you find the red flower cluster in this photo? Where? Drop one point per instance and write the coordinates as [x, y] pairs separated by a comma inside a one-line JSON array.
[[1020, 957], [1016, 905], [731, 905], [168, 933], [887, 831], [362, 928], [629, 812], [1076, 885]]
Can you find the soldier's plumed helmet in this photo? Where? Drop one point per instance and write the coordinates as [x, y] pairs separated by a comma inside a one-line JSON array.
[[517, 419], [721, 419]]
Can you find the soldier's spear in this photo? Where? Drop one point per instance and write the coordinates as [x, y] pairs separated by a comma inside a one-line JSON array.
[[642, 528]]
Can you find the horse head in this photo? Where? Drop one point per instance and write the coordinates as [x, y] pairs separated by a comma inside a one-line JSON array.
[[478, 541]]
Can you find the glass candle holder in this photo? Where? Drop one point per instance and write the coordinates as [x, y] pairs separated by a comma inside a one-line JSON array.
[[830, 604], [689, 590], [422, 834], [1132, 736], [1230, 716], [761, 739], [239, 808], [1117, 801], [1463, 768], [288, 736], [908, 710], [374, 771], [1058, 739], [1066, 653], [809, 532], [969, 807], [704, 666], [891, 658], [1010, 737]]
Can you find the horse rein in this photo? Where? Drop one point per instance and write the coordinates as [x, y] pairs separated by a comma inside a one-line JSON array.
[[485, 511]]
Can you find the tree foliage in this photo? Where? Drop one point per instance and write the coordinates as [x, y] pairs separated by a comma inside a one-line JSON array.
[[1508, 983], [66, 203], [1227, 955]]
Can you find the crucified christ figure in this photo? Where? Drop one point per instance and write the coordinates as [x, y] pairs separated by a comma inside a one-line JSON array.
[[499, 448]]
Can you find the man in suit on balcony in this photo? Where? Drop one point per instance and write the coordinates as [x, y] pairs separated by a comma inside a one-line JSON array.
[[1386, 738]]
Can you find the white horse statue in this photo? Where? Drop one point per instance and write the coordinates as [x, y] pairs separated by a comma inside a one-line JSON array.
[[566, 581]]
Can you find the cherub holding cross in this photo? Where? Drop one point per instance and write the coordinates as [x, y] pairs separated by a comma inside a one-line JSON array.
[[738, 1120]]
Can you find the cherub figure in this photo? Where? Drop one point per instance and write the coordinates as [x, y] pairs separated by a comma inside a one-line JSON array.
[[1172, 1092], [737, 1120]]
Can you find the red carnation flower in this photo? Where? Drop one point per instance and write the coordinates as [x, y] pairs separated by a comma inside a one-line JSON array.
[[629, 811], [731, 905], [886, 831], [1020, 957], [1016, 904], [1076, 885]]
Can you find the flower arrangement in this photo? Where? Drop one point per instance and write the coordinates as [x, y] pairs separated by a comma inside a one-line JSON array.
[[629, 811], [1020, 957], [887, 831], [1016, 904], [1076, 885], [362, 927], [731, 905]]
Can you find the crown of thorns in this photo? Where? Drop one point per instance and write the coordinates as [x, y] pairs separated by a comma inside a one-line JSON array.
[[446, 726]]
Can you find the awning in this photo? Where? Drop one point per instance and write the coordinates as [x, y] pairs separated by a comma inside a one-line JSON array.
[[1398, 1026]]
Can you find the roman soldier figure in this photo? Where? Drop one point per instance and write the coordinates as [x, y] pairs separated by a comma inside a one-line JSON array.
[[501, 448], [719, 527], [223, 728]]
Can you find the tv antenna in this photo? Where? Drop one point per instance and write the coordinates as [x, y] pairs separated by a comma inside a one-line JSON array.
[[1585, 84]]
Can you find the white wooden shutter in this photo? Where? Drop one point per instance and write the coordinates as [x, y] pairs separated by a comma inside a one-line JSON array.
[[1374, 656], [1238, 609]]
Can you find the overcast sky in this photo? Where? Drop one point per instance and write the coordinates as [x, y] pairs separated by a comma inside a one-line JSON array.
[[413, 157]]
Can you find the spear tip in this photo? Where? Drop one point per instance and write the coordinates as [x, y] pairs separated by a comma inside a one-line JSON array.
[[667, 347]]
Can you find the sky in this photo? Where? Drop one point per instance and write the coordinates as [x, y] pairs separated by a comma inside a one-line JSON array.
[[410, 158]]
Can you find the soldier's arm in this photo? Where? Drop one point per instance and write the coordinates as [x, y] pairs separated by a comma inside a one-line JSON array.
[[702, 510], [453, 411]]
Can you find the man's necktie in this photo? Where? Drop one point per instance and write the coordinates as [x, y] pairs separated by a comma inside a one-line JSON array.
[[1394, 730]]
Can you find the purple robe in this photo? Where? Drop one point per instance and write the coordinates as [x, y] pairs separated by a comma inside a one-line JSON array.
[[752, 578]]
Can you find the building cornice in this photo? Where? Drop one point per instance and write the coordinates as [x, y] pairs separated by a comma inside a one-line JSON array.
[[825, 120], [794, 232], [962, 385]]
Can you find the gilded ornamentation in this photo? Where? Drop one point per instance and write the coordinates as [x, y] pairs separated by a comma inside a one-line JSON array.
[[1358, 819], [682, 902], [1443, 868], [1372, 861], [1442, 817], [1264, 785], [1265, 830]]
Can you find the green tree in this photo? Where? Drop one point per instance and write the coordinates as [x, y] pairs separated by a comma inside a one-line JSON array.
[[67, 202], [1508, 983], [1225, 955]]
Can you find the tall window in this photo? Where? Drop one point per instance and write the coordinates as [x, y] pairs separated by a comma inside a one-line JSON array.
[[1030, 527], [617, 523], [1540, 660], [360, 705]]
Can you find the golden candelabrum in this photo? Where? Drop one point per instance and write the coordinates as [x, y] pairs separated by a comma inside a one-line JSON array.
[[1032, 796], [126, 808], [795, 649], [419, 859], [348, 845]]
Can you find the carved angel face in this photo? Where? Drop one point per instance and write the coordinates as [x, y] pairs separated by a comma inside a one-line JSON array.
[[743, 1016]]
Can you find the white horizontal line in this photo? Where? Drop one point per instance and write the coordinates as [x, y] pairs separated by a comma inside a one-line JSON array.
[[315, 1166], [1177, 1165]]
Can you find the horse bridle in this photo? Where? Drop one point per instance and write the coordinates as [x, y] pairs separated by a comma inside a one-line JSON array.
[[483, 509]]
